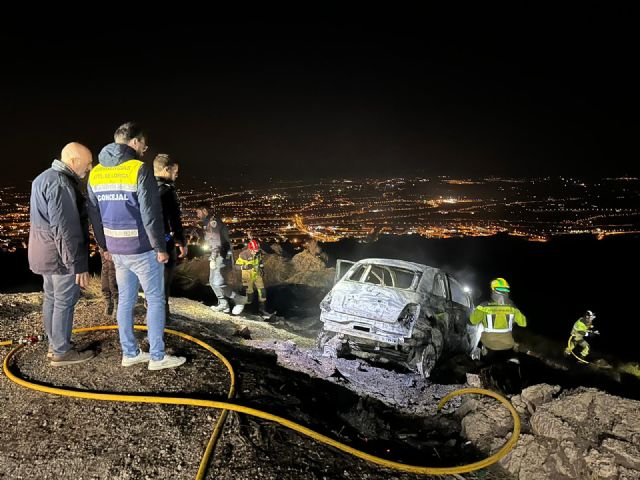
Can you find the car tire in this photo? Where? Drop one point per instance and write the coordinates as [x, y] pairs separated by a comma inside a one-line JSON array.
[[427, 356], [426, 360]]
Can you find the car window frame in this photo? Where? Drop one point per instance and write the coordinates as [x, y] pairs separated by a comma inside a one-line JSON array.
[[415, 282]]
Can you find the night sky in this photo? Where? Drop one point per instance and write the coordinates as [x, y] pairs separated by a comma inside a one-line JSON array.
[[532, 93]]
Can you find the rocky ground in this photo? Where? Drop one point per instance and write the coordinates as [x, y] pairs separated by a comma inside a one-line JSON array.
[[580, 433]]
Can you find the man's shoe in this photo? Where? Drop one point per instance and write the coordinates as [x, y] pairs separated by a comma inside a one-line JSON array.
[[142, 357], [50, 353], [169, 361], [237, 309], [71, 357], [221, 307]]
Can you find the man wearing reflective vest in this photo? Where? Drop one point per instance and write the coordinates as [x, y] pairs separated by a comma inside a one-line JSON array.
[[125, 191], [497, 318]]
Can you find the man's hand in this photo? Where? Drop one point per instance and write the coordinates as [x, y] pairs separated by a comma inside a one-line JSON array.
[[163, 257], [82, 279], [184, 250], [107, 256]]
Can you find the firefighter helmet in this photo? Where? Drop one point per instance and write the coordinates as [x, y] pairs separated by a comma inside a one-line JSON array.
[[500, 285], [589, 315], [253, 245]]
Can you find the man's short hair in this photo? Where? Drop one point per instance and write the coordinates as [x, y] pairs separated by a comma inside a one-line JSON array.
[[204, 206], [163, 160], [128, 131]]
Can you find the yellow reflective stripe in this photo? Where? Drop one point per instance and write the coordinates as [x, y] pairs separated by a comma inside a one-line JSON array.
[[109, 232], [110, 187], [124, 174], [490, 323]]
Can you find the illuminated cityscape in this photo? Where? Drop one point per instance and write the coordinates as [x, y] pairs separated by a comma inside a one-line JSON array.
[[442, 207]]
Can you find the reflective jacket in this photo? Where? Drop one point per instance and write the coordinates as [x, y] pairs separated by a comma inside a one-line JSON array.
[[580, 329], [127, 196], [497, 318], [249, 261], [497, 322]]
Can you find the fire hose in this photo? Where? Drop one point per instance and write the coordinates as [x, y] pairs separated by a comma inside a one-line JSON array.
[[571, 346], [226, 407]]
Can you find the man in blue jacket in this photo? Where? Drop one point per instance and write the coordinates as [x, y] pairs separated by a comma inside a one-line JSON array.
[[59, 247], [125, 191]]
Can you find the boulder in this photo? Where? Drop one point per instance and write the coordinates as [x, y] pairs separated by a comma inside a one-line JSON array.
[[582, 434]]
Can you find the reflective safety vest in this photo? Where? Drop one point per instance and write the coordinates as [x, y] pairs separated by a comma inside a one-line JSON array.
[[246, 258], [580, 329], [497, 318], [116, 190]]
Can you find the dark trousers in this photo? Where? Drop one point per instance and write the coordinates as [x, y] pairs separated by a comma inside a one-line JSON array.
[[500, 371], [108, 279], [169, 269]]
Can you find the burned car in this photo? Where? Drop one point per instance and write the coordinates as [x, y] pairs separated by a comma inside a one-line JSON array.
[[396, 311]]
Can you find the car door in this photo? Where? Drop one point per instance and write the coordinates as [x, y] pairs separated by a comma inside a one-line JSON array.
[[461, 304], [440, 302], [342, 267]]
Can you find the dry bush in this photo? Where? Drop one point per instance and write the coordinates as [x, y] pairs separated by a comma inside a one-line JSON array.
[[313, 247], [276, 269], [94, 289]]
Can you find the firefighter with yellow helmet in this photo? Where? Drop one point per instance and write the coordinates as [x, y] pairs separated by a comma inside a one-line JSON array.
[[497, 318]]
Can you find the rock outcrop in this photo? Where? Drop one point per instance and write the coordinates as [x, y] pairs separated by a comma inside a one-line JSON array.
[[578, 434]]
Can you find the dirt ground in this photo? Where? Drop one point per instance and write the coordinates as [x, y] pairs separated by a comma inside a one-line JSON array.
[[47, 437]]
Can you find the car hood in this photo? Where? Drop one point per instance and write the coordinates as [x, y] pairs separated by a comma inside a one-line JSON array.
[[371, 301]]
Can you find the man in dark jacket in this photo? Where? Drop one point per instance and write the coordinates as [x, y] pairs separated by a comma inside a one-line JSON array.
[[59, 247], [124, 190], [165, 169], [216, 238]]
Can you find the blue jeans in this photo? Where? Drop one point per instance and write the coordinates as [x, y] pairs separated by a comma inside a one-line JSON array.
[[131, 271], [217, 270], [61, 293]]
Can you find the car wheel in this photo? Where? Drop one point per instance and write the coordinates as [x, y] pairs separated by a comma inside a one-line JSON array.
[[323, 338], [427, 358]]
